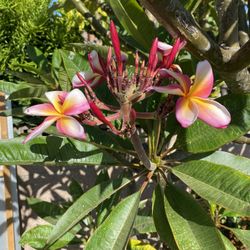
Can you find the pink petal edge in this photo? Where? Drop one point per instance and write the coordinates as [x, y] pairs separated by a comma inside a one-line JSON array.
[[212, 112], [39, 129], [45, 109]]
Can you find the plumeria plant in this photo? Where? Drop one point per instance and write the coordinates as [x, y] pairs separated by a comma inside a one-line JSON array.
[[163, 129]]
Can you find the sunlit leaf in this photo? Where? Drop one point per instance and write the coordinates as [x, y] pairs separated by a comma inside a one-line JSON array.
[[217, 183], [191, 226], [85, 204], [114, 231]]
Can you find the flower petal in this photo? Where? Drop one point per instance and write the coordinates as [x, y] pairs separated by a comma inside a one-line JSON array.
[[152, 54], [212, 112], [184, 80], [88, 76], [176, 47], [56, 98], [45, 109], [75, 103], [204, 80], [39, 129], [164, 48], [95, 62], [116, 45], [186, 112], [71, 127], [172, 89]]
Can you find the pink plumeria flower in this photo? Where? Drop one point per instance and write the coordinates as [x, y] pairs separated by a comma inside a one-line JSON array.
[[61, 108], [94, 77], [194, 102]]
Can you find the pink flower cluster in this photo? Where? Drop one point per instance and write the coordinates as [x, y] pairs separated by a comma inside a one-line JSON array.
[[71, 110]]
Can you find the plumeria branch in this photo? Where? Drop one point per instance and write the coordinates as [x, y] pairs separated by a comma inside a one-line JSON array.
[[243, 26], [240, 60], [228, 22], [179, 22]]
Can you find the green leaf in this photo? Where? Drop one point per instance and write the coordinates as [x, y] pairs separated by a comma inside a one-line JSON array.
[[243, 236], [114, 231], [55, 151], [236, 162], [75, 189], [37, 236], [227, 243], [38, 57], [27, 77], [144, 224], [217, 183], [45, 77], [135, 21], [191, 226], [10, 87], [56, 63], [29, 93], [85, 204], [160, 219], [201, 137], [63, 80], [48, 211], [107, 140], [103, 210], [73, 62]]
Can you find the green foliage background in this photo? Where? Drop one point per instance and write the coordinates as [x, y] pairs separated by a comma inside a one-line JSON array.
[[31, 23]]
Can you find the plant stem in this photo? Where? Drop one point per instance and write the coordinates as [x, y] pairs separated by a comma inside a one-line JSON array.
[[157, 130], [141, 152], [227, 11], [243, 140], [145, 183]]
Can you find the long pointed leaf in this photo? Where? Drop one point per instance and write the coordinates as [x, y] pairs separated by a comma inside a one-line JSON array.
[[85, 204], [217, 183], [243, 236], [114, 231], [51, 150], [191, 226], [160, 219], [36, 238], [236, 162], [135, 21]]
